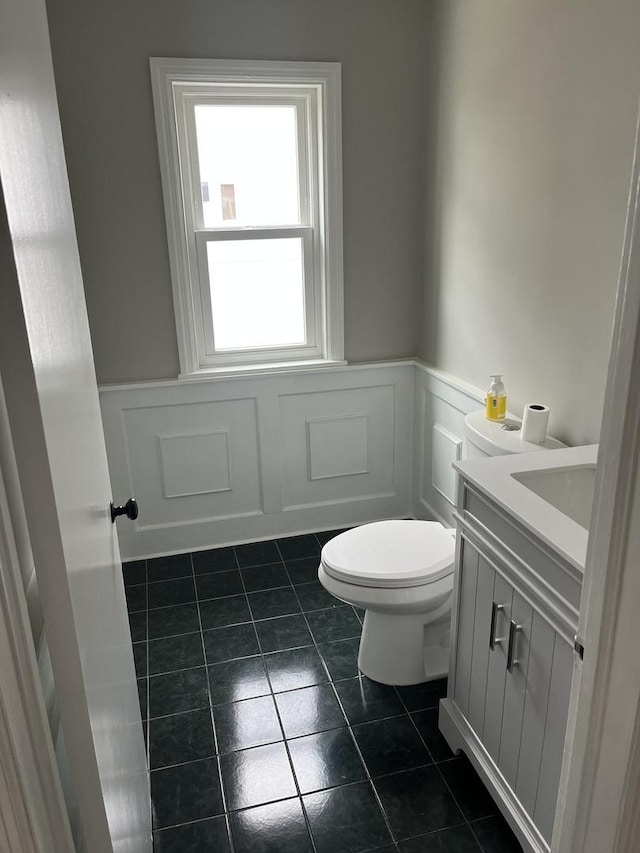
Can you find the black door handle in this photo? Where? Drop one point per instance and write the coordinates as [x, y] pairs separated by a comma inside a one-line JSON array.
[[130, 509]]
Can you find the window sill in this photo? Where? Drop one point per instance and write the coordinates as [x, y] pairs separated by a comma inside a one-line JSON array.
[[260, 369]]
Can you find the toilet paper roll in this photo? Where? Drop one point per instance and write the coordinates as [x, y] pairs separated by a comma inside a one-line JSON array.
[[534, 423]]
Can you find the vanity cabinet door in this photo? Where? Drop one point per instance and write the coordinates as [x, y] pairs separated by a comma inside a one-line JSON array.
[[477, 581], [515, 691], [541, 653], [481, 652], [497, 669], [468, 589], [554, 734], [484, 606], [535, 714]]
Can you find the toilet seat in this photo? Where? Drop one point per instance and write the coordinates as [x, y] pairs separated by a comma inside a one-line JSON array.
[[390, 554]]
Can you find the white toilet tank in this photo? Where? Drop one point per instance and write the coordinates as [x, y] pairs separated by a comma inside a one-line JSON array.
[[498, 438]]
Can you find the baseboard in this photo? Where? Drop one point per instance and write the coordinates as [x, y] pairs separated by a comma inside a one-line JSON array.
[[251, 539]]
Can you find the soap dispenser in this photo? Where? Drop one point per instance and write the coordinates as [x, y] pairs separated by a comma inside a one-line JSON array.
[[496, 401]]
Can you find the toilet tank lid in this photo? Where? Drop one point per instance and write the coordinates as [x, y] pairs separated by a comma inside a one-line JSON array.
[[493, 439], [391, 554]]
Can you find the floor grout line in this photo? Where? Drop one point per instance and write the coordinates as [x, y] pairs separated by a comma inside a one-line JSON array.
[[273, 694], [148, 683], [352, 736], [284, 734], [223, 792], [330, 681]]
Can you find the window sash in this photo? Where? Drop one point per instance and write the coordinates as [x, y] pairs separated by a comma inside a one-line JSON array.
[[305, 105], [312, 348], [187, 98]]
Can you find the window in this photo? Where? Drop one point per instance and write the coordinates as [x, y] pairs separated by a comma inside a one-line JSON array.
[[251, 169]]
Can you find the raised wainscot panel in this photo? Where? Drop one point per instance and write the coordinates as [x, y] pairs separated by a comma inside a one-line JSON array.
[[193, 462], [441, 406], [446, 449], [337, 446]]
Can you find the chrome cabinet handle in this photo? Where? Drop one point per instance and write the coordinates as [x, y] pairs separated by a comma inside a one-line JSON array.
[[495, 609], [513, 630]]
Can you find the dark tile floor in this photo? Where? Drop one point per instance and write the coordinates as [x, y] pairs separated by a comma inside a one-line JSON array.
[[263, 736]]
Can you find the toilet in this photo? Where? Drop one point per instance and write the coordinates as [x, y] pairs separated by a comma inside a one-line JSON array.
[[401, 574]]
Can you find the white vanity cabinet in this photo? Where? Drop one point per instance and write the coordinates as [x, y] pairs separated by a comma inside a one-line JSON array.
[[514, 620]]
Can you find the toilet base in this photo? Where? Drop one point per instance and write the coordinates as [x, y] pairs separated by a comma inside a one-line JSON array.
[[403, 650]]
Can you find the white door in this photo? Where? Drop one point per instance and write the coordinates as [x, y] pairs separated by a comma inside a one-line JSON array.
[[46, 367]]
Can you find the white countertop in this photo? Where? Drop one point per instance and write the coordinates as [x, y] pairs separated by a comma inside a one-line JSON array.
[[492, 476]]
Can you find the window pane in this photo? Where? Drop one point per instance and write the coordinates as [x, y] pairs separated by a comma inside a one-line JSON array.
[[257, 292], [248, 164]]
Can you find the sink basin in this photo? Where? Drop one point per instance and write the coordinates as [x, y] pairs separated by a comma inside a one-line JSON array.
[[569, 490], [549, 492]]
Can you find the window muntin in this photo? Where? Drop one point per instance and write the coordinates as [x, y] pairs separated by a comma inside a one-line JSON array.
[[250, 172]]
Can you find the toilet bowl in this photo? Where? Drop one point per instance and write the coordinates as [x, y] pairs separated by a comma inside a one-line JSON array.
[[401, 573]]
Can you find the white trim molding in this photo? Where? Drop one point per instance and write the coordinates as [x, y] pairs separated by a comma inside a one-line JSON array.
[[313, 89], [600, 783], [33, 813]]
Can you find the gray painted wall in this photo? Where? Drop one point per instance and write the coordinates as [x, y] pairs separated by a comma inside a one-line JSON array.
[[101, 53], [535, 107], [525, 146]]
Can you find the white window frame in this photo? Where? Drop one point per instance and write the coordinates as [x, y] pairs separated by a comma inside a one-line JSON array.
[[314, 89]]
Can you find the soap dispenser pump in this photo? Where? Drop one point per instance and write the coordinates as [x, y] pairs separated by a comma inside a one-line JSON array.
[[496, 401]]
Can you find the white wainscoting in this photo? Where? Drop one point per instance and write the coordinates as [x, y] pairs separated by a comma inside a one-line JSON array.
[[441, 402], [226, 460]]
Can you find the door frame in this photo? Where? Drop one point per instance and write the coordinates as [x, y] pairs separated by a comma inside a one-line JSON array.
[[600, 781], [33, 813]]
